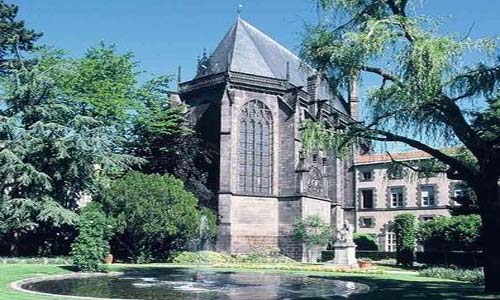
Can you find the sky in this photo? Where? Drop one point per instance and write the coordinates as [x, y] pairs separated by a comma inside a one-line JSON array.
[[165, 34]]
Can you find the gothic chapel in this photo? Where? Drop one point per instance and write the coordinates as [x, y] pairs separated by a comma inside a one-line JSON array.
[[249, 100]]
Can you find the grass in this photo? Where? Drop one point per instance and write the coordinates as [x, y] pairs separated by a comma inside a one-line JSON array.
[[390, 284]]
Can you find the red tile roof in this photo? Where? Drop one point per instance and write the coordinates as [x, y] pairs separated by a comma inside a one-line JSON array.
[[384, 157]]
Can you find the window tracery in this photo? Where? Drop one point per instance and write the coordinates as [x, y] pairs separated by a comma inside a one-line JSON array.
[[255, 148]]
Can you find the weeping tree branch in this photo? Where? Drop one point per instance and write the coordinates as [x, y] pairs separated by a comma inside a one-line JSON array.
[[384, 74], [412, 167], [381, 135], [398, 8], [454, 118]]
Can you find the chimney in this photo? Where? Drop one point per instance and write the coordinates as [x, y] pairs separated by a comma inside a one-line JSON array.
[[353, 97]]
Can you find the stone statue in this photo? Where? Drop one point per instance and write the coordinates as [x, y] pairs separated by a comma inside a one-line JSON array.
[[344, 247], [344, 234]]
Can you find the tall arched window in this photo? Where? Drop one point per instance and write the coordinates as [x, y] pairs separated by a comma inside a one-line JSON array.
[[255, 148]]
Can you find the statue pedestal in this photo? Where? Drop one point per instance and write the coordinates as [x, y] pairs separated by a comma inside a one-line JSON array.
[[345, 255]]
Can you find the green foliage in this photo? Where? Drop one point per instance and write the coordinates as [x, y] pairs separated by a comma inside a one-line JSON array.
[[457, 233], [154, 215], [395, 171], [312, 231], [50, 155], [256, 255], [92, 244], [201, 257], [162, 135], [466, 202], [475, 276], [315, 136], [103, 84], [14, 36], [376, 255], [53, 153], [264, 255], [59, 260], [327, 255], [365, 241], [431, 96], [405, 230]]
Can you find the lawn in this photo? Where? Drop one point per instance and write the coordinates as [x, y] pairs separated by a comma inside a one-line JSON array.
[[389, 285]]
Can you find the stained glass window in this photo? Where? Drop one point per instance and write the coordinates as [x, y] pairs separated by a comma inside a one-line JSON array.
[[255, 148]]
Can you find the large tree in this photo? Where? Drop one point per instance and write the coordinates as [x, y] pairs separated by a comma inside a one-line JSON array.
[[429, 96], [51, 156], [14, 36], [52, 153], [162, 135], [104, 85]]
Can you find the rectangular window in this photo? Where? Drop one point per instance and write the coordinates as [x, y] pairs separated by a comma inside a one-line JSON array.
[[458, 191], [390, 242], [367, 199], [397, 197], [426, 218], [366, 176], [367, 222], [427, 195]]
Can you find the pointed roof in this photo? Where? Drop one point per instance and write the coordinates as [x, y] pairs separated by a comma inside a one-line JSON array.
[[248, 50]]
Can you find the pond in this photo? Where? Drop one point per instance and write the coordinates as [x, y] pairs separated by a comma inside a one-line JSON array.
[[184, 284]]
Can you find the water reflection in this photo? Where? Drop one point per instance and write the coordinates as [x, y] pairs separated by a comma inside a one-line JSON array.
[[179, 284]]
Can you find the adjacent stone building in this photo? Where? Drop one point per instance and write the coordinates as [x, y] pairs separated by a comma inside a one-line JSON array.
[[249, 100], [384, 190]]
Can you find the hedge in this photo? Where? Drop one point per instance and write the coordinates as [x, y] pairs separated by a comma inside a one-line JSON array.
[[460, 259], [456, 258], [405, 230], [475, 276], [328, 255], [365, 241], [376, 255]]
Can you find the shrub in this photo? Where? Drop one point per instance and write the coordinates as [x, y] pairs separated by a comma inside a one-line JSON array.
[[312, 231], [264, 255], [405, 230], [154, 216], [257, 255], [474, 276], [453, 258], [365, 259], [202, 257], [376, 255], [327, 255], [58, 260], [458, 233], [92, 244], [365, 241]]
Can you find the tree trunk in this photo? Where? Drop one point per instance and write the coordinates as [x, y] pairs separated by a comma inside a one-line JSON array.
[[489, 205]]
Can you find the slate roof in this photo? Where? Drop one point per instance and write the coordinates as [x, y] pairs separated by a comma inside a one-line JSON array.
[[251, 51], [248, 50]]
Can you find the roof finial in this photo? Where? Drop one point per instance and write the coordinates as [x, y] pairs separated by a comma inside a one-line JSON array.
[[240, 8]]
